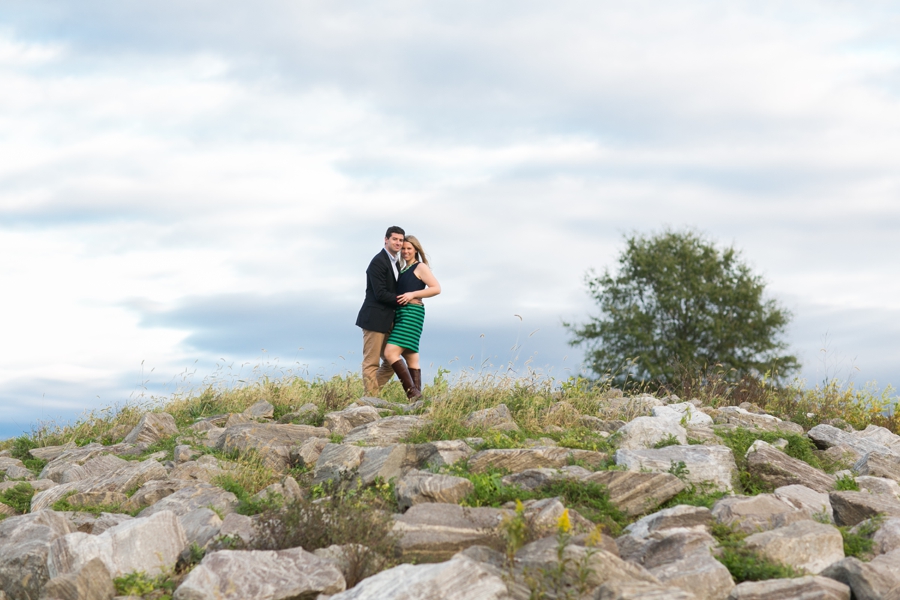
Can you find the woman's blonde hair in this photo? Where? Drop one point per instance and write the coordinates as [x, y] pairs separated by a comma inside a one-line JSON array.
[[420, 253]]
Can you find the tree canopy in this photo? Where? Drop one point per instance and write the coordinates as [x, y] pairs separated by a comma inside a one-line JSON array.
[[678, 302]]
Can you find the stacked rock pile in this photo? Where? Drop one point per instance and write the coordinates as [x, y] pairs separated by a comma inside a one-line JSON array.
[[170, 505]]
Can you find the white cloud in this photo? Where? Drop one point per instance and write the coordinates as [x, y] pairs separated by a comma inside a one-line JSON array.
[[160, 159]]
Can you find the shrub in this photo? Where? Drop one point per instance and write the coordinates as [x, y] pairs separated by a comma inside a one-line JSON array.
[[354, 521], [18, 497]]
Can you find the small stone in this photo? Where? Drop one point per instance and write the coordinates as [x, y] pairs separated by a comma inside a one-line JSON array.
[[499, 418]]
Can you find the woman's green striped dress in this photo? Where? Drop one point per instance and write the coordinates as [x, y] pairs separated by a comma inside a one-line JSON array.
[[409, 318]]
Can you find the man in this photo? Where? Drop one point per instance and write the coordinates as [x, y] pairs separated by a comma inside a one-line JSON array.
[[376, 317]]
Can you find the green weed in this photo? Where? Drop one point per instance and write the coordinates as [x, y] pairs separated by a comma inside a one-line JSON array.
[[18, 497]]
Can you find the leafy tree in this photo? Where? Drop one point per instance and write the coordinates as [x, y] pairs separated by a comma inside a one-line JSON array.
[[678, 303]]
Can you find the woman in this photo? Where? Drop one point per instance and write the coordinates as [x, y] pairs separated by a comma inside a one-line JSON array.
[[416, 281]]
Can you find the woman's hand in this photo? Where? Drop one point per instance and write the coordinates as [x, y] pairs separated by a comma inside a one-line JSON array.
[[407, 298]]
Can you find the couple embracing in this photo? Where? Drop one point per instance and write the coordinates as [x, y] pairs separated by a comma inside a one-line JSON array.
[[392, 315]]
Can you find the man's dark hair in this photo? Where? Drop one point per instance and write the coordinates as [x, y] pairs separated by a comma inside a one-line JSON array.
[[394, 229]]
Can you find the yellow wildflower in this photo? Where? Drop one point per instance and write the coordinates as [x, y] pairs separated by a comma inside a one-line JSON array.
[[563, 524]]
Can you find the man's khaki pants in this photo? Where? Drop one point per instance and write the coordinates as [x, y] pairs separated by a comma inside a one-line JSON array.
[[375, 377]]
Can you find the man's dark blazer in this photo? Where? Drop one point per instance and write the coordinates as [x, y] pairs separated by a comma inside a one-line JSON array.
[[377, 312]]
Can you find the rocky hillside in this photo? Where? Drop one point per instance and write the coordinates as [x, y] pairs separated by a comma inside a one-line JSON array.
[[602, 497]]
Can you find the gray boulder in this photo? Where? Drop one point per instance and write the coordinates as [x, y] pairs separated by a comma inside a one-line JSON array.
[[457, 579], [309, 452], [516, 460], [341, 423], [384, 432], [637, 493], [703, 464], [684, 413], [800, 588], [499, 418], [260, 410], [778, 469], [681, 516], [337, 462], [878, 485], [199, 495], [121, 479], [646, 432], [152, 428], [756, 513], [698, 573], [152, 492], [430, 532], [879, 465], [827, 436], [640, 590], [873, 580], [805, 545], [851, 508], [739, 417], [200, 526], [815, 504], [92, 582], [532, 479], [263, 574], [272, 442], [150, 545], [24, 546], [418, 487], [48, 453], [887, 537]]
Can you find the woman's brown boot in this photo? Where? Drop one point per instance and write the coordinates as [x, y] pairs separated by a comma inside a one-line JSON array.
[[417, 378], [412, 392]]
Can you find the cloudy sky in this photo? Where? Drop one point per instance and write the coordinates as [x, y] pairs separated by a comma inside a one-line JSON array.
[[193, 190]]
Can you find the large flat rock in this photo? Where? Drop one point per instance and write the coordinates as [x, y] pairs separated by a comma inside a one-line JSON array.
[[122, 479], [751, 514], [431, 532], [516, 460], [810, 587], [876, 464], [828, 436], [704, 464], [24, 546], [384, 432], [265, 574], [273, 442], [851, 508], [199, 495], [873, 580], [735, 416], [149, 545], [646, 432], [805, 545], [637, 493], [152, 428], [458, 579], [418, 487], [776, 468]]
